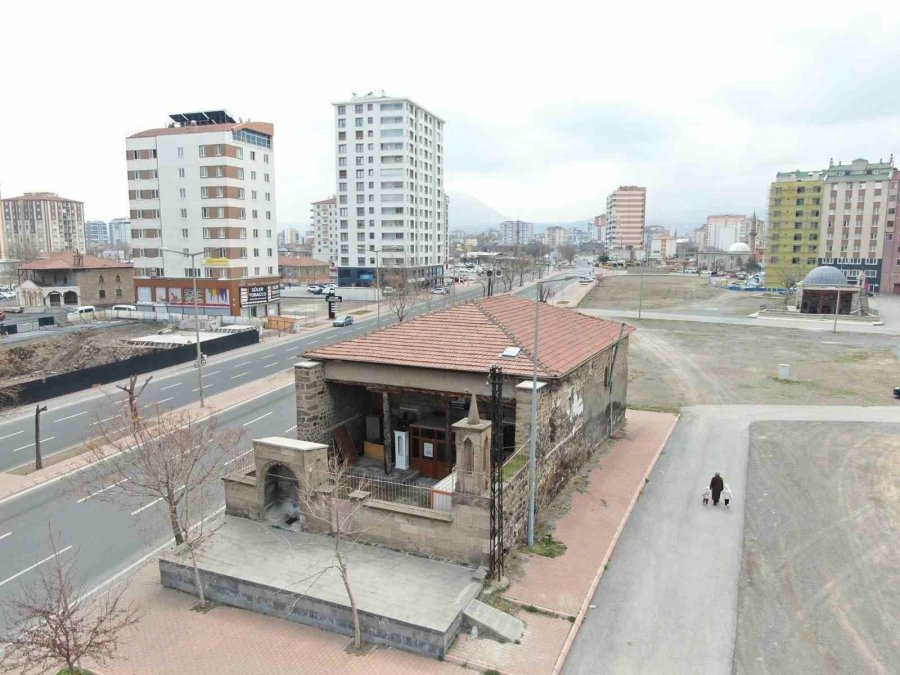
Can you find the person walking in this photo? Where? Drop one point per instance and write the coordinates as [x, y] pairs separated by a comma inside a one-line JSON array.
[[726, 495], [716, 485]]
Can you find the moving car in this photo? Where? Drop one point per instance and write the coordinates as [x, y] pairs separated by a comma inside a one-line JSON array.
[[315, 289], [439, 291], [585, 279], [124, 308], [896, 392], [329, 288], [343, 321]]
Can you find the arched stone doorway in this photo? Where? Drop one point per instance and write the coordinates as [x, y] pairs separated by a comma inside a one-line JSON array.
[[281, 495], [54, 298], [71, 298]]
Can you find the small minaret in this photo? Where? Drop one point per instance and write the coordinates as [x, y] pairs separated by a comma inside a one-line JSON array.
[[473, 452]]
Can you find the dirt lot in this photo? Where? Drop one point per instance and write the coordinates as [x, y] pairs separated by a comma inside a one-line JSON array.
[[675, 363], [819, 588], [685, 293], [71, 351]]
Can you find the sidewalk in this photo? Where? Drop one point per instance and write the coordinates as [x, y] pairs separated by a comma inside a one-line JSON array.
[[228, 640], [564, 586]]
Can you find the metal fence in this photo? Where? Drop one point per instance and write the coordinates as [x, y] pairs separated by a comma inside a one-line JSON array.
[[390, 491]]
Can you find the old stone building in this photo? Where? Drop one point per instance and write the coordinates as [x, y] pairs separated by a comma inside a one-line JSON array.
[[73, 279]]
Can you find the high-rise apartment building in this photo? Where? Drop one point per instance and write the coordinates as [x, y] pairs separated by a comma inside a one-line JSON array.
[[96, 234], [119, 232], [795, 209], [556, 236], [205, 183], [391, 205], [890, 259], [626, 211], [515, 232], [42, 221], [325, 229], [597, 229]]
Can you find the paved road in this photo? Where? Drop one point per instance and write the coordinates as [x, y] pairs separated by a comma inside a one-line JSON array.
[[107, 537], [814, 324], [70, 423], [668, 602]]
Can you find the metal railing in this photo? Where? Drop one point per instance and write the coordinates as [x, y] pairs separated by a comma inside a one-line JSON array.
[[389, 491]]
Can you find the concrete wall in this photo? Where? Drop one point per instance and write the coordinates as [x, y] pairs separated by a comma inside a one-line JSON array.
[[241, 498], [308, 611]]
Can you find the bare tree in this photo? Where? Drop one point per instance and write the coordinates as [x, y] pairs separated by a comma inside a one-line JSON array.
[[405, 294], [333, 511], [52, 623], [521, 266], [171, 459], [133, 394], [567, 252], [23, 250]]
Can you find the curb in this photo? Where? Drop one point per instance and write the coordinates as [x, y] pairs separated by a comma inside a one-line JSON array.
[[573, 631]]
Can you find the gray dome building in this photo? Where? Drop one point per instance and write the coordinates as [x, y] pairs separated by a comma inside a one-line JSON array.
[[825, 275], [826, 288]]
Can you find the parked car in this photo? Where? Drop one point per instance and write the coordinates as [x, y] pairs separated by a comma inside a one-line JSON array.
[[16, 310], [86, 309], [585, 280], [7, 295], [124, 308], [343, 321], [315, 289], [440, 290], [387, 290], [896, 392], [329, 288]]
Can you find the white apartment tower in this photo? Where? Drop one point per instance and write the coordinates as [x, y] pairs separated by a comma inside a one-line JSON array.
[[391, 206], [205, 183], [626, 210], [42, 221], [515, 232], [325, 232]]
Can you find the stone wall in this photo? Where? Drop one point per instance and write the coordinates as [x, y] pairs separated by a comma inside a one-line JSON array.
[[89, 286], [573, 419], [321, 405], [241, 498], [462, 535]]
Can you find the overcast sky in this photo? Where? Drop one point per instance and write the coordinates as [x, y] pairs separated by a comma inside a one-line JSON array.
[[549, 106]]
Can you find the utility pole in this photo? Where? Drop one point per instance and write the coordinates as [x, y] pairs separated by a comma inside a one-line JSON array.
[[532, 445], [38, 462], [641, 291], [378, 286], [837, 308]]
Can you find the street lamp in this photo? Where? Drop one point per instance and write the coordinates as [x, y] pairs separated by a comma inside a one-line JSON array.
[[378, 284], [196, 317], [532, 445]]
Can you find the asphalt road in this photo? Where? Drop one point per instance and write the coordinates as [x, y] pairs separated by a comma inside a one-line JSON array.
[[668, 602], [108, 537], [70, 423]]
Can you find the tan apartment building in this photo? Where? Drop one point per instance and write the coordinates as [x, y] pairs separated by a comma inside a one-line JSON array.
[[626, 213], [556, 236], [205, 184], [323, 214], [42, 221]]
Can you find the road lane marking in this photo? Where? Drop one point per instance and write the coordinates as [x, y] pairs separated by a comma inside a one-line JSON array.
[[234, 459], [105, 420], [163, 401], [108, 487], [274, 363], [205, 387], [4, 536], [261, 417], [155, 501], [40, 562], [177, 384], [245, 363], [287, 431], [234, 377], [43, 440], [292, 349], [267, 356], [215, 372], [63, 419], [11, 435], [314, 342]]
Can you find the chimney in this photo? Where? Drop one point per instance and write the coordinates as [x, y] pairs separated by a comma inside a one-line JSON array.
[[78, 259]]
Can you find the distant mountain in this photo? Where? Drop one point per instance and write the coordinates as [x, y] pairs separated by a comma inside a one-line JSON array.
[[471, 214]]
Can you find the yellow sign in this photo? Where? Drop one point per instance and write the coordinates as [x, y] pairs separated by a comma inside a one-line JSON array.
[[210, 262]]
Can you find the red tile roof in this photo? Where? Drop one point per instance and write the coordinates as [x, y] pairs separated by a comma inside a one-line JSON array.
[[300, 261], [65, 260], [470, 337]]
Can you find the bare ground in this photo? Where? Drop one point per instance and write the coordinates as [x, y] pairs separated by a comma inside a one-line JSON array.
[[674, 363], [91, 346], [673, 293]]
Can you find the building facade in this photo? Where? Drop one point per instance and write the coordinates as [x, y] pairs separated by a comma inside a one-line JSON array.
[[723, 230], [42, 221], [516, 233], [556, 236], [323, 215], [597, 229], [626, 210], [205, 183], [890, 259], [72, 279], [856, 219], [662, 247], [795, 209], [392, 209], [96, 234], [119, 232]]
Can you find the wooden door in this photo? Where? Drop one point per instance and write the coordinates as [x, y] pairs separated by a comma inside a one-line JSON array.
[[429, 451]]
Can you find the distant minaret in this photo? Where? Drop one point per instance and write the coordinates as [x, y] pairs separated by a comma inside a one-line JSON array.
[[753, 233]]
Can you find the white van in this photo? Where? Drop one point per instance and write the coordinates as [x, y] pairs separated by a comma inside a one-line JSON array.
[[86, 309], [124, 308]]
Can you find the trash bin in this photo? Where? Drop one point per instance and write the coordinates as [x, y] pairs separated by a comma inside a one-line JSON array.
[[784, 371]]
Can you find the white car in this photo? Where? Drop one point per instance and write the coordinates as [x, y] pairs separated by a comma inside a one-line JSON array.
[[329, 288], [7, 295], [439, 291]]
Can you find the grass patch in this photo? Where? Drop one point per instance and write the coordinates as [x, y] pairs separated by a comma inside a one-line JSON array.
[[563, 302], [514, 464], [853, 358], [782, 381], [497, 601], [548, 547], [361, 311], [674, 410]]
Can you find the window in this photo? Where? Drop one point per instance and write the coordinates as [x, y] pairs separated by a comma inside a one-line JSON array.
[[268, 251], [268, 215], [184, 235], [256, 253], [269, 268], [118, 292], [181, 172], [341, 110], [269, 233], [266, 177], [266, 159], [184, 213], [252, 175], [342, 148], [101, 293]]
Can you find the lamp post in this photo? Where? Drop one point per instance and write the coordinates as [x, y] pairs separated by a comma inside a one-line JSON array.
[[532, 445], [196, 318], [378, 284], [641, 290], [837, 308]]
